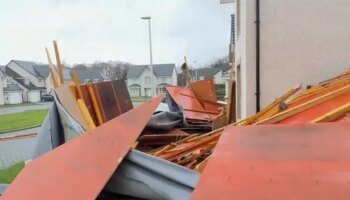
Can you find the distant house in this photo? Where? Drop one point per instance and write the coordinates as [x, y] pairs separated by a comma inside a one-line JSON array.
[[85, 75], [34, 79], [10, 93], [139, 79], [217, 73]]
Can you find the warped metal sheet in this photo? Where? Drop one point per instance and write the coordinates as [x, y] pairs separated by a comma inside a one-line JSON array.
[[187, 103], [273, 162], [113, 98], [122, 95], [143, 176], [318, 110], [80, 168], [205, 89], [107, 100]]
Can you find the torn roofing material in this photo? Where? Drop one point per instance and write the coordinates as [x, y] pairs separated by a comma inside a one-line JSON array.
[[300, 161], [80, 168]]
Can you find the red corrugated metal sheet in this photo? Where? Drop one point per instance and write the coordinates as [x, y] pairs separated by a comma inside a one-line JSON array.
[[80, 168], [318, 110], [187, 103], [274, 162]]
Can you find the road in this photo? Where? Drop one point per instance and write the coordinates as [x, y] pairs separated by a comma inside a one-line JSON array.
[[9, 110]]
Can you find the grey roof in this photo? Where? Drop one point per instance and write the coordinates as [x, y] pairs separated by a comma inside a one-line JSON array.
[[206, 72], [2, 70], [90, 74], [37, 70], [158, 70], [29, 86], [12, 87], [66, 74]]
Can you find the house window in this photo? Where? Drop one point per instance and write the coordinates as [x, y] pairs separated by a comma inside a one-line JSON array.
[[135, 91], [8, 80], [147, 80], [26, 81], [40, 80], [160, 90], [164, 80], [96, 80], [238, 4]]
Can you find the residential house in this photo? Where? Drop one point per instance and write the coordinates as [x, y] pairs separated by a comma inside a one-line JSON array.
[[34, 79], [10, 93], [217, 73], [140, 79], [288, 42], [85, 75]]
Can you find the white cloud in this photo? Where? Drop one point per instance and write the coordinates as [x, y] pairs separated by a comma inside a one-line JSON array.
[[90, 30]]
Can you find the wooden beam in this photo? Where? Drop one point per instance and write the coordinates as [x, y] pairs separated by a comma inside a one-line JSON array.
[[75, 78], [202, 111], [95, 103], [58, 61], [86, 115], [186, 72], [288, 113], [53, 76], [333, 114]]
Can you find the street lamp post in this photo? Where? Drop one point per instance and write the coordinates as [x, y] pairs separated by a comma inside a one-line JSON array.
[[150, 53]]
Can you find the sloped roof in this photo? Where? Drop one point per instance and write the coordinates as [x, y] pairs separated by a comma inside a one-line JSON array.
[[206, 72], [29, 86], [37, 70], [158, 70], [12, 87], [90, 74], [42, 70], [2, 70]]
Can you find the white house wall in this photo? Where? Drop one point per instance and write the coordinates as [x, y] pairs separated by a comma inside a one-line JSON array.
[[301, 42], [13, 97], [33, 96], [24, 73], [1, 93]]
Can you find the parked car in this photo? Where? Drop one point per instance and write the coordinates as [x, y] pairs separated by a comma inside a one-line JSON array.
[[47, 97]]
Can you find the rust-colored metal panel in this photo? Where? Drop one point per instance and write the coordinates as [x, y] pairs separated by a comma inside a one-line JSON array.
[[187, 103], [274, 162], [80, 168], [106, 99], [122, 95], [88, 102], [205, 89], [318, 110]]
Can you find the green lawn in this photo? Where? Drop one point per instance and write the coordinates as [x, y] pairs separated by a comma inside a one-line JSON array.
[[140, 99], [7, 175], [17, 105], [10, 122]]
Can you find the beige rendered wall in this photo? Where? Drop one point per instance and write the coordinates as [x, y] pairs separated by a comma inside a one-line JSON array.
[[301, 42]]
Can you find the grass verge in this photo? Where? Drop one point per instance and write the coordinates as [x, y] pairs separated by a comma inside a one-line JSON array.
[[140, 99], [16, 121], [8, 174]]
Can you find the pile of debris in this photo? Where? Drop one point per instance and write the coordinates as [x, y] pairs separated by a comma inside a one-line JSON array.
[[95, 145]]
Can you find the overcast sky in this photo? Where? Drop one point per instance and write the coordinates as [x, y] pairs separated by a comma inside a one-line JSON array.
[[90, 30]]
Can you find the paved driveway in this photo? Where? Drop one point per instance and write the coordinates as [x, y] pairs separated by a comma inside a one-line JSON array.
[[15, 151], [42, 105]]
